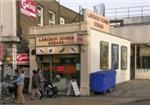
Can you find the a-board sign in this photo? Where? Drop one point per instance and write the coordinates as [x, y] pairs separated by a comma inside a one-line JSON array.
[[73, 88]]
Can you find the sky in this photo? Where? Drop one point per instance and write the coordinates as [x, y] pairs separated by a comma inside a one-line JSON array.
[[74, 4]]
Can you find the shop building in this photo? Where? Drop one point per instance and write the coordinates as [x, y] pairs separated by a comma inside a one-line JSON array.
[[135, 25], [42, 13], [8, 38], [73, 51]]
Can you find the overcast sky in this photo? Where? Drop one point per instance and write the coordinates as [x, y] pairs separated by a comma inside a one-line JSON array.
[[74, 4]]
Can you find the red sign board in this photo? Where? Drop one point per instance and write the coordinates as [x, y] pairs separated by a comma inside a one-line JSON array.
[[28, 7], [60, 68], [23, 59]]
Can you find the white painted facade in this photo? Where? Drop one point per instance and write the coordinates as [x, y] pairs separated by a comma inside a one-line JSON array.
[[94, 44], [90, 51], [139, 34], [136, 33], [8, 17]]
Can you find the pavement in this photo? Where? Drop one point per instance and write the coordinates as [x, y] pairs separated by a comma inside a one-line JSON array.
[[135, 92], [133, 89]]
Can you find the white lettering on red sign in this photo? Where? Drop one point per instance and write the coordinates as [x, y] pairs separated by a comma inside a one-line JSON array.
[[22, 57], [28, 7]]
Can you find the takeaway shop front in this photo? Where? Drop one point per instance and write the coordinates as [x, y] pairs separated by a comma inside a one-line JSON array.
[[70, 55], [58, 56]]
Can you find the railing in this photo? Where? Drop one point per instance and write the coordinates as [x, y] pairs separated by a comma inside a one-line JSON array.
[[118, 13]]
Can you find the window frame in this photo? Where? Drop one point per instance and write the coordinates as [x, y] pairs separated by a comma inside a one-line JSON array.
[[41, 15], [60, 20], [53, 17], [104, 55]]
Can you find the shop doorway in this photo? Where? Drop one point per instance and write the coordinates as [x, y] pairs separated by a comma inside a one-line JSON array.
[[45, 67], [60, 69]]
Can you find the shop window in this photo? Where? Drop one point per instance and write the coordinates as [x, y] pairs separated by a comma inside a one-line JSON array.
[[123, 57], [51, 17], [62, 20], [40, 15], [143, 57], [104, 54], [115, 56], [143, 62]]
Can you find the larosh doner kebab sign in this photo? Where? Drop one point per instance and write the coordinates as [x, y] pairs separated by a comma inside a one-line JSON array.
[[62, 39]]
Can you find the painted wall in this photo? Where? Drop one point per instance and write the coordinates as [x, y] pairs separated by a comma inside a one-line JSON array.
[[141, 74], [8, 17], [95, 38], [8, 29], [136, 33]]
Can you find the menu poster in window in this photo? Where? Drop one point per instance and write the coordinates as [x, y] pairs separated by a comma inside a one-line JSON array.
[[123, 57], [104, 54], [115, 56]]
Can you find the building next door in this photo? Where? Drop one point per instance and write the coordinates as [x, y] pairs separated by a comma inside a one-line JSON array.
[[60, 69]]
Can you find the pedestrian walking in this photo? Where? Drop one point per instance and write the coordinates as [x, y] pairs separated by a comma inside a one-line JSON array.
[[20, 84], [35, 85], [41, 80], [15, 84]]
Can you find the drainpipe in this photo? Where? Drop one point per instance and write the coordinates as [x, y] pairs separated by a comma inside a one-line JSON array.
[[135, 62]]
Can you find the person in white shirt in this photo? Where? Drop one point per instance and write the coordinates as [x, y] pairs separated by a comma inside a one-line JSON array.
[[20, 84]]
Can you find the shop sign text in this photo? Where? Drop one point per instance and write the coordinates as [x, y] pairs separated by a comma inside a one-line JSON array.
[[28, 7], [96, 21], [22, 58], [53, 40]]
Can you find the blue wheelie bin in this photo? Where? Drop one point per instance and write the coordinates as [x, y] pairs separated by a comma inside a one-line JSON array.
[[102, 81]]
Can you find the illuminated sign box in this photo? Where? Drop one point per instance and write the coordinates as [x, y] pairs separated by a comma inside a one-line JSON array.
[[22, 59], [60, 68]]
